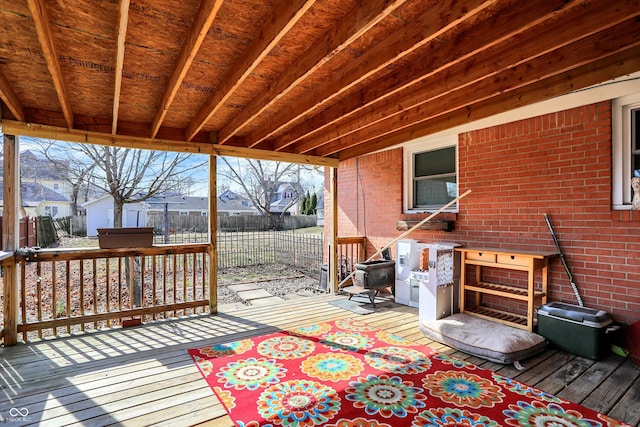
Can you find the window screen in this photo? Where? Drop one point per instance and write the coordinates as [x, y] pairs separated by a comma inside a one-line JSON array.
[[434, 178]]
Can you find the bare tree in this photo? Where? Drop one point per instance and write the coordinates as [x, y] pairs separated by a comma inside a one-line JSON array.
[[131, 175], [260, 179], [76, 173]]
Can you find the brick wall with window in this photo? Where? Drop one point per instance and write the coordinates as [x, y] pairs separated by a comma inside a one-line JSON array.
[[558, 163]]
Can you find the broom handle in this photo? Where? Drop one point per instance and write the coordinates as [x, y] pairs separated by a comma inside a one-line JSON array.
[[415, 227]]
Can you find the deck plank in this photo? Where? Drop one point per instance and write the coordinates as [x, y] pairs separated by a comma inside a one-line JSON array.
[[144, 375]]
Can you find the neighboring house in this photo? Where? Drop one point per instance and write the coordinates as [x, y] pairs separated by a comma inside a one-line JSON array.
[[100, 214], [571, 157], [233, 204], [34, 168], [286, 199], [44, 184], [39, 200], [179, 205]]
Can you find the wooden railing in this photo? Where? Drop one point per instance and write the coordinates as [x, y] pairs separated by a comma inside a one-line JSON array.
[[351, 250], [67, 290]]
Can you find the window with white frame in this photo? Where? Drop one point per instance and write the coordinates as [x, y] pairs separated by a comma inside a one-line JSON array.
[[51, 210], [626, 148], [431, 174]]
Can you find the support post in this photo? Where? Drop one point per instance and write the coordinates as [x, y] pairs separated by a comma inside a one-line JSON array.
[[213, 236], [333, 239], [10, 237]]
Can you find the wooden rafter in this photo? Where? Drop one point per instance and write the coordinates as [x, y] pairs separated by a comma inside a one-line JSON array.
[[362, 17], [43, 29], [285, 16], [539, 68], [123, 19], [625, 62], [329, 78], [518, 18], [201, 25], [9, 97], [445, 15], [460, 77], [12, 127]]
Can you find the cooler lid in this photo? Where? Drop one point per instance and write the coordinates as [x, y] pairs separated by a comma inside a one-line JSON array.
[[575, 312]]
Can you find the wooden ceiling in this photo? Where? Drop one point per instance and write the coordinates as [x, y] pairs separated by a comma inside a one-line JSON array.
[[325, 79]]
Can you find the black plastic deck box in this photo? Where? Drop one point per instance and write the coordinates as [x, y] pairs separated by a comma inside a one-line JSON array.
[[577, 330]]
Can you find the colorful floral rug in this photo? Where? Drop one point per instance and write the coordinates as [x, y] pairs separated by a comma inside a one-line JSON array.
[[347, 374]]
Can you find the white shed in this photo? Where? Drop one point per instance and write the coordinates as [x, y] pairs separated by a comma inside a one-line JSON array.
[[100, 214]]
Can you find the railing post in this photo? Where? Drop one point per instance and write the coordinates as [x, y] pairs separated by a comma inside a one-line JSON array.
[[213, 236], [10, 238]]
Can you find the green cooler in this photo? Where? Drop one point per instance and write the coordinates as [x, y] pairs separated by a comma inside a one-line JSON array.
[[574, 329]]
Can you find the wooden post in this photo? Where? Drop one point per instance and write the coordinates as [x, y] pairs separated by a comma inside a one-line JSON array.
[[10, 237], [333, 239], [213, 236]]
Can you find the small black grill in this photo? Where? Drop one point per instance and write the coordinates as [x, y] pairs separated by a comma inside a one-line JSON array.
[[374, 276]]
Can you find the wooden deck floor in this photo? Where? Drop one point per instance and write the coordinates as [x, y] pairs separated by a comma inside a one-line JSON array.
[[143, 376]]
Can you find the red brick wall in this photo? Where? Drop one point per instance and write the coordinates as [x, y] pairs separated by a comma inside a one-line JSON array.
[[559, 164]]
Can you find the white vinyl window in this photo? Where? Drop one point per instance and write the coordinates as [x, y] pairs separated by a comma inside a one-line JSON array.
[[431, 175], [626, 148]]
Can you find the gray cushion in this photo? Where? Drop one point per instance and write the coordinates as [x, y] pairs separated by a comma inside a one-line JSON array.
[[483, 338]]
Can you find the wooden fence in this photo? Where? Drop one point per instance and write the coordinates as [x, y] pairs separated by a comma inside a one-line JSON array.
[[193, 223], [28, 231]]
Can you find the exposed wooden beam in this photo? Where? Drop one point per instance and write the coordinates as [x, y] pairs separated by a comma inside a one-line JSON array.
[[198, 31], [12, 127], [254, 153], [213, 235], [9, 97], [434, 22], [10, 235], [625, 36], [471, 79], [123, 19], [590, 74], [43, 29], [360, 19], [285, 15], [454, 53]]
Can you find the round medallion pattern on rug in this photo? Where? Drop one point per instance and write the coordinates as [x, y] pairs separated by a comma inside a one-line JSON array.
[[385, 395], [286, 347], [251, 373], [398, 360], [346, 341], [226, 349], [358, 422], [525, 390], [536, 413], [456, 363], [332, 366], [312, 330], [463, 389], [298, 403], [451, 417], [392, 339]]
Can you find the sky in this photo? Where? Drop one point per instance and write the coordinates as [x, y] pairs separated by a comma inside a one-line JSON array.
[[310, 180]]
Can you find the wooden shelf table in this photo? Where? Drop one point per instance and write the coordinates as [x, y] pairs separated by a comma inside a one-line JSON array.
[[528, 261]]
